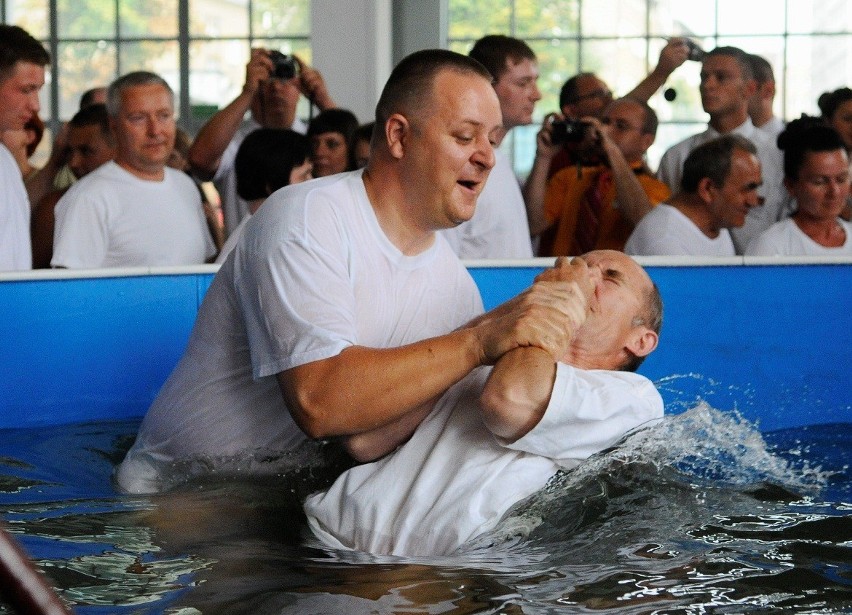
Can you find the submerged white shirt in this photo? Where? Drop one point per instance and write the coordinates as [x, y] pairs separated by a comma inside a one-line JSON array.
[[313, 273], [453, 480]]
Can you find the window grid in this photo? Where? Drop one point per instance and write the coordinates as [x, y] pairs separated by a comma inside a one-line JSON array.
[[832, 26]]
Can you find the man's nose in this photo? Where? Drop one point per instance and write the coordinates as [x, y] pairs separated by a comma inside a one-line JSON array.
[[484, 154]]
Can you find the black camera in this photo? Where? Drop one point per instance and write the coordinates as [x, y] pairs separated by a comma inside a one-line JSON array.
[[696, 53], [285, 66], [567, 131]]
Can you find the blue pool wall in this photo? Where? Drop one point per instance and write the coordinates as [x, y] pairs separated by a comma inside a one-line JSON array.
[[771, 340]]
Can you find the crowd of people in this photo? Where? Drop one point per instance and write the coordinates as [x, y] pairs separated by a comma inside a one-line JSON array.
[[590, 185], [342, 312]]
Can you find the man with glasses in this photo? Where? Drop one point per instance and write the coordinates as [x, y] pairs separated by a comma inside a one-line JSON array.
[[587, 95], [592, 207]]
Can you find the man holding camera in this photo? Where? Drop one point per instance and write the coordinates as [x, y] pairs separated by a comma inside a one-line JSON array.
[[593, 207], [273, 85]]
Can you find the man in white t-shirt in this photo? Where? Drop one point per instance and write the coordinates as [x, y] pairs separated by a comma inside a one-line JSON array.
[[271, 92], [22, 62], [499, 228], [499, 436], [134, 211], [719, 187], [341, 297], [727, 86]]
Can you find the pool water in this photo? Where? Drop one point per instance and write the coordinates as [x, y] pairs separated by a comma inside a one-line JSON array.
[[701, 514]]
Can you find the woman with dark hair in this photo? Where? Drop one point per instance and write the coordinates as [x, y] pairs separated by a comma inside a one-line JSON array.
[[816, 174], [836, 109], [268, 159], [331, 134]]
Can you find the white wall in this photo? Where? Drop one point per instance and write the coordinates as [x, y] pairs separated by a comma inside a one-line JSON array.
[[356, 43]]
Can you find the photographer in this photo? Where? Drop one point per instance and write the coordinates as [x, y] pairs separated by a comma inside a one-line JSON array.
[[596, 206], [271, 92]]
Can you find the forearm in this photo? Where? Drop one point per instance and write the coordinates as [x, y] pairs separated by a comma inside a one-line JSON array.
[[364, 389], [534, 192], [376, 443], [517, 392], [629, 193], [41, 182], [652, 82], [213, 138]]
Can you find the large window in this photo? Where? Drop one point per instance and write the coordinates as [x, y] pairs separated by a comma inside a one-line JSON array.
[[808, 43], [200, 47]]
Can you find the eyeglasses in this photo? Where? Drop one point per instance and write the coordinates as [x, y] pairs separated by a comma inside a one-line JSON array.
[[620, 125], [602, 93]]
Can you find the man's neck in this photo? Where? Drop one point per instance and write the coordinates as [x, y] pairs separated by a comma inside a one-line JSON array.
[[691, 206], [725, 123], [388, 203], [151, 174], [762, 118]]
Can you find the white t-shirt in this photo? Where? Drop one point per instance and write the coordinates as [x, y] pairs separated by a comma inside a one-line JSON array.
[[111, 218], [665, 231], [454, 480], [773, 128], [785, 238], [232, 240], [234, 208], [499, 226], [777, 201], [15, 247], [312, 274]]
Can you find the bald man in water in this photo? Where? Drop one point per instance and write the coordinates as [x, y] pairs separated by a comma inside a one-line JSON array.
[[502, 433]]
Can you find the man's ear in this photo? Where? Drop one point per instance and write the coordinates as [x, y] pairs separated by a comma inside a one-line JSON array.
[[706, 189], [397, 130], [750, 88], [642, 341]]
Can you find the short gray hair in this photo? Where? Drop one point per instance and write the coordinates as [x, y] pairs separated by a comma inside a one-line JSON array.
[[131, 80]]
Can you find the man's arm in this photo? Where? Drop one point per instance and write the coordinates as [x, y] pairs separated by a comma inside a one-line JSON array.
[[206, 150], [519, 387], [41, 182], [362, 389], [672, 56], [629, 193], [536, 185], [517, 392]]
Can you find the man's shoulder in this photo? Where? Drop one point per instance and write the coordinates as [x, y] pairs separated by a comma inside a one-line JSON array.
[[686, 145]]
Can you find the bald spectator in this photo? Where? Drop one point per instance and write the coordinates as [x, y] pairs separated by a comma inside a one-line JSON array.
[[727, 85], [22, 62], [718, 189], [135, 210]]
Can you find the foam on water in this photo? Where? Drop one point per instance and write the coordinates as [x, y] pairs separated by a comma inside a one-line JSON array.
[[699, 447]]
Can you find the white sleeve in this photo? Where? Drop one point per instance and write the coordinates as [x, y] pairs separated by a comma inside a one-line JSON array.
[[590, 410], [81, 235], [295, 292]]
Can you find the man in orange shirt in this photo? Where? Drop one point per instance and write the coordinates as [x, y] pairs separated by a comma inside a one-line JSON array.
[[596, 207]]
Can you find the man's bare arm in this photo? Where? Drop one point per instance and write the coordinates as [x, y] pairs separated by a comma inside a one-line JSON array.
[[212, 140], [363, 389], [672, 55]]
